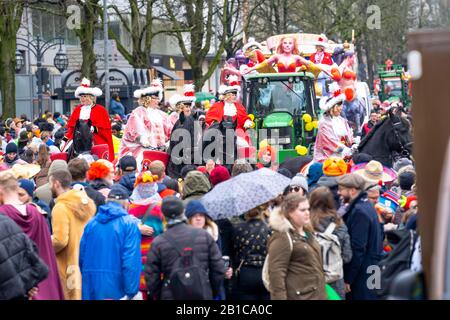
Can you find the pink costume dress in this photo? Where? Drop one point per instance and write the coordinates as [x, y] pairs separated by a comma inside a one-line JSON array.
[[334, 133], [146, 126]]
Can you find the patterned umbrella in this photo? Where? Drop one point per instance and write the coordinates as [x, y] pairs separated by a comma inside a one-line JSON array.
[[243, 193], [202, 96]]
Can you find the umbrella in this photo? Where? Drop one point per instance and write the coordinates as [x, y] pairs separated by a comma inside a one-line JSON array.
[[202, 96], [243, 193]]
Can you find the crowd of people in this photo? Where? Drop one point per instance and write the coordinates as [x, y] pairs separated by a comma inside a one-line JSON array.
[[100, 230], [86, 214]]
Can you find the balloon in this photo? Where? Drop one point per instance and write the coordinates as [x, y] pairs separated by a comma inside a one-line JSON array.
[[263, 144], [251, 116], [335, 74], [309, 126], [349, 94], [301, 150], [318, 89], [307, 118], [315, 124]]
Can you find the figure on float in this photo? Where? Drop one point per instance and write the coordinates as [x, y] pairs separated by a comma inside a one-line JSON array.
[[148, 128], [88, 125], [230, 114], [334, 136], [185, 125]]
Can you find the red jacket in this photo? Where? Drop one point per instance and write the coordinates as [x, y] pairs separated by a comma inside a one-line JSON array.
[[100, 119], [326, 58], [215, 113]]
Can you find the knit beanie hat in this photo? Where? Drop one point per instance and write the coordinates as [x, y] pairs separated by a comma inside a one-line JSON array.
[[406, 180], [402, 162], [27, 185], [194, 207], [299, 181], [11, 148], [57, 165], [172, 207], [219, 174], [315, 171], [334, 167]]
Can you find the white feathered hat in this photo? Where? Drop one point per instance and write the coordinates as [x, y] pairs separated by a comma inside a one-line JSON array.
[[322, 41], [187, 97], [326, 103], [154, 88], [85, 88], [251, 43], [233, 85]]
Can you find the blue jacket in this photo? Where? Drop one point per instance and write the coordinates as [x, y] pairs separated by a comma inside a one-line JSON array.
[[110, 256], [366, 235], [128, 182], [117, 108]]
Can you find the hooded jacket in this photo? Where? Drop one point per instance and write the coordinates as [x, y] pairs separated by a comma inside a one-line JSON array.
[[34, 224], [128, 181], [110, 257], [21, 268], [366, 234], [96, 196], [295, 274], [162, 257], [72, 211], [196, 184]]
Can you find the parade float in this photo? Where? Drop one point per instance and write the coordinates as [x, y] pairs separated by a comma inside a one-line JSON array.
[[393, 83], [285, 101]]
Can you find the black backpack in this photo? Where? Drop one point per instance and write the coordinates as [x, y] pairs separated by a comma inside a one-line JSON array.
[[188, 280], [398, 260]]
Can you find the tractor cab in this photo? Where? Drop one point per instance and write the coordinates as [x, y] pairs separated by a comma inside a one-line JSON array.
[[393, 84], [285, 111]]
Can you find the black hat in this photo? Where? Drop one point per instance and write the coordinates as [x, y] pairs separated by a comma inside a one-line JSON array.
[[118, 192], [23, 136], [127, 163], [172, 207], [45, 126], [11, 148]]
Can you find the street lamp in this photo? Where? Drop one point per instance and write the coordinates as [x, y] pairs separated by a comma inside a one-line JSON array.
[[39, 47], [20, 61], [61, 61]]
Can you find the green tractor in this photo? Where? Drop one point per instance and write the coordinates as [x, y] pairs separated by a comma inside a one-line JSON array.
[[393, 84], [285, 105]]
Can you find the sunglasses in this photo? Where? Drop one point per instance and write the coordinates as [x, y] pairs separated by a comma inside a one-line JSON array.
[[296, 189]]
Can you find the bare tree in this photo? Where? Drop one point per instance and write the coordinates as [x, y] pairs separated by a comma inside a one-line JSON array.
[[91, 13], [10, 18], [138, 20], [197, 16]]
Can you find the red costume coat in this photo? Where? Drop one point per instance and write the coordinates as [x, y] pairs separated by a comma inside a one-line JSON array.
[[215, 113], [326, 59], [100, 119]]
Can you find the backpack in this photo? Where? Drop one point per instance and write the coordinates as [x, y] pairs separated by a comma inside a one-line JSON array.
[[333, 266], [187, 280], [398, 260], [265, 270]]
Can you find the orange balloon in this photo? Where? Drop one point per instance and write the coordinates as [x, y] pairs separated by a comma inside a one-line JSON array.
[[349, 94], [335, 74]]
